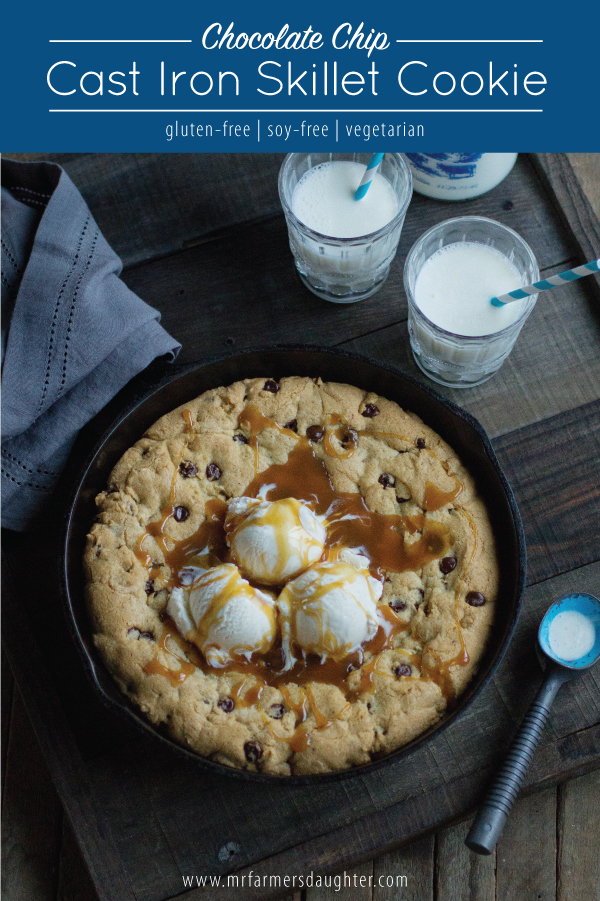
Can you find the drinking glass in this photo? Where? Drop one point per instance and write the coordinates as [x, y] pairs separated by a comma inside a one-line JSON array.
[[344, 270], [454, 360]]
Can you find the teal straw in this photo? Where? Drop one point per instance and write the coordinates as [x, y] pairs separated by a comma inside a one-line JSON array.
[[571, 275], [372, 167]]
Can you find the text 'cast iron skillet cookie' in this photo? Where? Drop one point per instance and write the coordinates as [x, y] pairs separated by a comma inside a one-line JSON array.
[[177, 385]]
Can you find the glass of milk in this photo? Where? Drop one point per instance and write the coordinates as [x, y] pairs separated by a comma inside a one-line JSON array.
[[457, 337], [343, 247]]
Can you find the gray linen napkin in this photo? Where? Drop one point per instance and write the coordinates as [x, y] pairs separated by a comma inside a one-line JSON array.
[[73, 334]]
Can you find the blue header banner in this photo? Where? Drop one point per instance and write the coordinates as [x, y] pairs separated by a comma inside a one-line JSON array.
[[277, 77]]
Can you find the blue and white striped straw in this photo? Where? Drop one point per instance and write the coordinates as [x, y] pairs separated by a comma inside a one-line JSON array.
[[564, 278], [372, 167]]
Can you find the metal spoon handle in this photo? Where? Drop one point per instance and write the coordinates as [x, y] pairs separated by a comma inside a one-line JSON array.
[[491, 817]]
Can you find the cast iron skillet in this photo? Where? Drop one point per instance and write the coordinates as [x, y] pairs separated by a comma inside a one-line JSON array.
[[181, 384]]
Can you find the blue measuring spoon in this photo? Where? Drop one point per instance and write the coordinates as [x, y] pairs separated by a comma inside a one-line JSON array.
[[580, 646]]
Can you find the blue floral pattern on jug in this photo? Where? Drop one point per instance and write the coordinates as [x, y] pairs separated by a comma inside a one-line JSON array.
[[446, 165]]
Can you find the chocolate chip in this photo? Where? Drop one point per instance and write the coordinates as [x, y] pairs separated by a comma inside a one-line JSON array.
[[135, 633], [187, 469], [368, 705], [508, 205], [475, 598], [387, 480], [403, 669], [350, 436], [420, 442], [271, 385], [226, 705], [241, 439], [370, 411], [180, 514], [253, 751], [447, 564], [421, 592], [213, 472], [149, 587], [402, 500], [398, 604], [277, 711], [292, 425], [315, 432]]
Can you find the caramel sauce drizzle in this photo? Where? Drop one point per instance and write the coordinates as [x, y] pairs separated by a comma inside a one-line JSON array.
[[351, 524], [251, 696], [175, 675], [345, 436], [300, 740]]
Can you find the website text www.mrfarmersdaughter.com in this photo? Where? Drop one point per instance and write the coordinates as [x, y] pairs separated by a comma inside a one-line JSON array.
[[297, 881]]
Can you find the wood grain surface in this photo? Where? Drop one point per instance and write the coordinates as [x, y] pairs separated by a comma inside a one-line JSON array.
[[138, 819]]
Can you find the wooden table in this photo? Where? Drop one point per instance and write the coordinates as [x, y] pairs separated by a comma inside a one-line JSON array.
[[219, 270]]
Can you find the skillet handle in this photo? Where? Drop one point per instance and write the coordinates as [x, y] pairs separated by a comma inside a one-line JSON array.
[[491, 817]]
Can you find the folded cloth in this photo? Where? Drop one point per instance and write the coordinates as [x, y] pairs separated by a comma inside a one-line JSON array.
[[73, 334]]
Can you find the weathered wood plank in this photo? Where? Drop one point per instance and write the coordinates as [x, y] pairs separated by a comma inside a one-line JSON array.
[[31, 815], [406, 873], [526, 852], [355, 884], [461, 875], [579, 839], [7, 687], [243, 290], [553, 469], [586, 167], [373, 834], [571, 204], [74, 881], [149, 205], [58, 746]]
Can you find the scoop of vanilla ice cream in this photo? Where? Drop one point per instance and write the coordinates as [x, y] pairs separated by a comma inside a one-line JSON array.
[[272, 541], [224, 615], [331, 609]]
